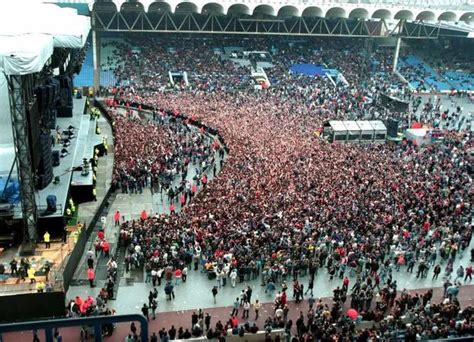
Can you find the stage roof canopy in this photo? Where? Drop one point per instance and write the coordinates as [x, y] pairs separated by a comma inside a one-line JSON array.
[[29, 30]]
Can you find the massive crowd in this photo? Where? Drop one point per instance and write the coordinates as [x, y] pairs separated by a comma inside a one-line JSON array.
[[153, 152], [286, 202]]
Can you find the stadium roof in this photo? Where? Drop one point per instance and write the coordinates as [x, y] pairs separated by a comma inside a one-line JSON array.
[[428, 10]]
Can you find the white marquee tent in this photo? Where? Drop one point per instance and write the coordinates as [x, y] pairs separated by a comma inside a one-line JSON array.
[[355, 131]]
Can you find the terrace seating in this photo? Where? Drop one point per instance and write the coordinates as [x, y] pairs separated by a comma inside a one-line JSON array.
[[460, 80], [86, 77], [421, 76]]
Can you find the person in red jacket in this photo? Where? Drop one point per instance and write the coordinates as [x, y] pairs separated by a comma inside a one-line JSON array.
[[106, 248], [172, 209], [204, 180], [117, 218], [468, 272], [283, 298], [193, 189], [345, 283], [91, 276]]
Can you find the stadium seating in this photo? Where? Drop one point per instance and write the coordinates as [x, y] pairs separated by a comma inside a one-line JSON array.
[[460, 80], [109, 61], [86, 77], [421, 75], [107, 78]]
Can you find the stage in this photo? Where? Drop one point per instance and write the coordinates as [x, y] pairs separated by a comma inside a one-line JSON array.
[[62, 257], [66, 182], [82, 146]]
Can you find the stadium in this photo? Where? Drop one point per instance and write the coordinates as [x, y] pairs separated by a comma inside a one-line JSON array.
[[253, 170]]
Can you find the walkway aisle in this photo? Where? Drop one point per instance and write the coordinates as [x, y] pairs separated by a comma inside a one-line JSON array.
[[104, 179], [130, 207]]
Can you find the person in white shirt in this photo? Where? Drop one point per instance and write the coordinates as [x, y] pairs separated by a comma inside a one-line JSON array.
[[257, 306], [225, 274], [246, 308], [233, 277], [154, 276], [185, 273], [159, 274]]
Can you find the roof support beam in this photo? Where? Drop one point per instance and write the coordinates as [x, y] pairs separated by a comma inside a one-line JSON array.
[[298, 26]]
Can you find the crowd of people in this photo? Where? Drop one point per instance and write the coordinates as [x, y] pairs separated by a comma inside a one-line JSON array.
[[387, 315], [90, 307], [286, 202], [141, 162]]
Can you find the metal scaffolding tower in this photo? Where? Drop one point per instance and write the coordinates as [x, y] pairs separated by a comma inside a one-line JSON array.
[[21, 91]]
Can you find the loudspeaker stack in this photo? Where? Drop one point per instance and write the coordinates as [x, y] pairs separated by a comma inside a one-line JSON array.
[[392, 128], [45, 170]]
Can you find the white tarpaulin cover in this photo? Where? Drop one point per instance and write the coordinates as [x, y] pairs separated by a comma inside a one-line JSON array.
[[25, 54], [29, 30], [365, 126], [352, 127], [69, 30], [337, 126], [378, 125]]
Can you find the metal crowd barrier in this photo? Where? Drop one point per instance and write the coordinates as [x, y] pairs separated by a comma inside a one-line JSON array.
[[96, 322]]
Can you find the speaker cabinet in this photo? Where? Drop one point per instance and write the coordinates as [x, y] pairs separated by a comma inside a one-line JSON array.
[[392, 128], [45, 170], [56, 158]]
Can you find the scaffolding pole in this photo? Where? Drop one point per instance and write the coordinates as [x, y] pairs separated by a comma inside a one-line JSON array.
[[397, 53], [18, 94], [96, 55]]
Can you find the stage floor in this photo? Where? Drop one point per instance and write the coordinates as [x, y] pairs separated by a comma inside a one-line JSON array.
[[54, 255], [82, 146]]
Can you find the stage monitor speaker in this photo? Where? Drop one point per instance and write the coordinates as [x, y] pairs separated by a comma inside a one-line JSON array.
[[392, 128], [56, 158], [27, 249]]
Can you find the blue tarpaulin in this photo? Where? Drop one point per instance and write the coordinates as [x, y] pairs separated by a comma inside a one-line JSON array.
[[311, 69], [12, 192]]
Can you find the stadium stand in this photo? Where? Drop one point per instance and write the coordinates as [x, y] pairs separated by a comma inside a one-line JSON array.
[[421, 76], [86, 77]]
